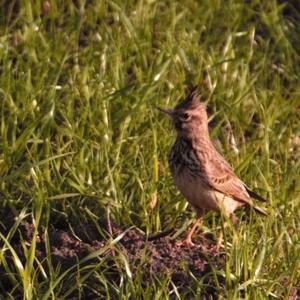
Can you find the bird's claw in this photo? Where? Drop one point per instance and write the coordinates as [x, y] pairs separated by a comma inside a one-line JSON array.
[[187, 242]]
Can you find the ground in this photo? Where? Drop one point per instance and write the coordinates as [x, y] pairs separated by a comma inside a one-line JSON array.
[[163, 255]]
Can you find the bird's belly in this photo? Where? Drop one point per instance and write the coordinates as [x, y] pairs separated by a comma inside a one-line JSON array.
[[200, 195]]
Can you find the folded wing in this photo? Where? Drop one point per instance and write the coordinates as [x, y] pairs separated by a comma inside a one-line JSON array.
[[220, 176]]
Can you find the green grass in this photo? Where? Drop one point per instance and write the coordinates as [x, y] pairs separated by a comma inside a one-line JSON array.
[[79, 86]]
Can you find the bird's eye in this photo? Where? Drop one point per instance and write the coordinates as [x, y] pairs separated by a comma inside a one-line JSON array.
[[185, 116]]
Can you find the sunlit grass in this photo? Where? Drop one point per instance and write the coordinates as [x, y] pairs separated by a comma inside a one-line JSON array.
[[79, 87]]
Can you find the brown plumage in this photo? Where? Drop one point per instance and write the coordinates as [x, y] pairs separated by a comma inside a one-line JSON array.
[[200, 172]]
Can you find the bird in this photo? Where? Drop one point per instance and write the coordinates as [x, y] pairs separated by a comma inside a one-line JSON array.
[[200, 172]]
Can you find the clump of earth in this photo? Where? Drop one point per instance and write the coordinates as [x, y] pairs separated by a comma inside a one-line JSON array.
[[70, 245]]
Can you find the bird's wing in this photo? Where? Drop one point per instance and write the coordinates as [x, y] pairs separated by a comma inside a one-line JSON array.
[[221, 177], [227, 169]]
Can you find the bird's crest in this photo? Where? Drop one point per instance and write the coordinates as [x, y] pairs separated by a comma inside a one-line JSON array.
[[192, 99]]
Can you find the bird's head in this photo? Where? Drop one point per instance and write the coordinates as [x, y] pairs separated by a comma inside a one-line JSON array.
[[189, 116]]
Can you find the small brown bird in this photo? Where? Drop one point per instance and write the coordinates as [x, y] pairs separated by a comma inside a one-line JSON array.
[[200, 172]]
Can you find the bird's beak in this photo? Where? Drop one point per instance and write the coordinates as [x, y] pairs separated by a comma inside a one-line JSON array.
[[167, 111]]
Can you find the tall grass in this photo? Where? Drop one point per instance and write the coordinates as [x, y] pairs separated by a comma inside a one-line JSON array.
[[79, 86]]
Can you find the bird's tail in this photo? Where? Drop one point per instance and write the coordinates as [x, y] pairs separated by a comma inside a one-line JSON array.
[[259, 210], [254, 195]]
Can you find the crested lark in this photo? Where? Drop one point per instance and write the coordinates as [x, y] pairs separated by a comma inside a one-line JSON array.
[[200, 172]]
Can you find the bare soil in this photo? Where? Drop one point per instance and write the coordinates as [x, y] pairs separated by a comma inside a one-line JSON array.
[[68, 246]]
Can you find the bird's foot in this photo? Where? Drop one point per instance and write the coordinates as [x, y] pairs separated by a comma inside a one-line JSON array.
[[220, 246], [186, 242]]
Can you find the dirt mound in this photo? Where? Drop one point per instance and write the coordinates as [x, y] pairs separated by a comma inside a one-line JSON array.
[[68, 246]]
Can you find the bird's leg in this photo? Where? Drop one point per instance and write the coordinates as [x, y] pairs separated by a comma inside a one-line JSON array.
[[188, 241], [225, 224], [220, 238], [234, 219]]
